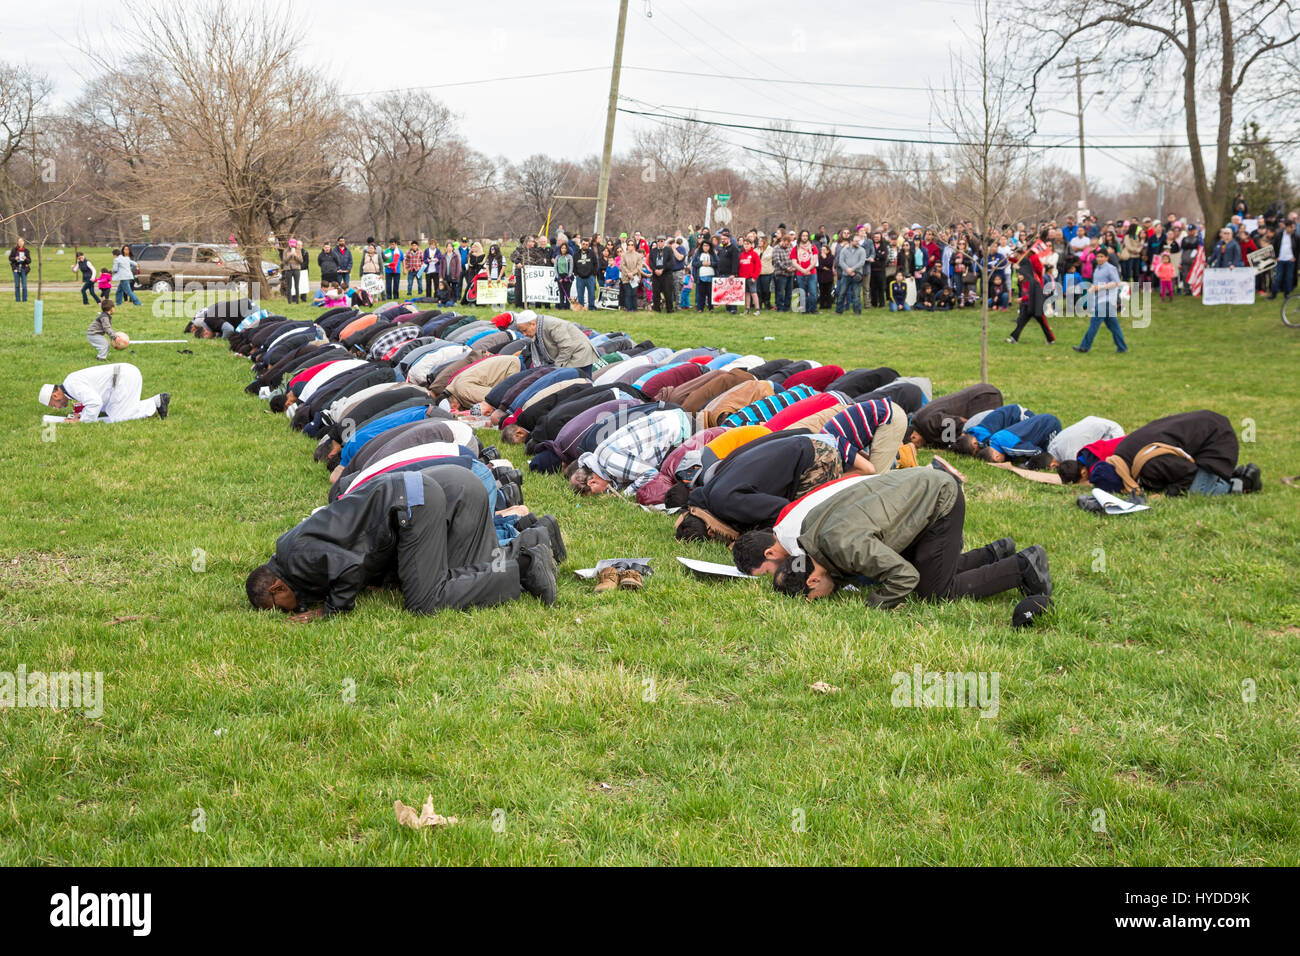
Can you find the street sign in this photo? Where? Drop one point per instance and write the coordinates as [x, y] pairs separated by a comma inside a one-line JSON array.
[[144, 223], [721, 197]]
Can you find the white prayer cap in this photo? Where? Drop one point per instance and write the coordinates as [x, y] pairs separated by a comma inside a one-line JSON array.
[[47, 392], [526, 316]]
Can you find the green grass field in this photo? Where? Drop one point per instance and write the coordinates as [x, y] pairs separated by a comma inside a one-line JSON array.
[[671, 726]]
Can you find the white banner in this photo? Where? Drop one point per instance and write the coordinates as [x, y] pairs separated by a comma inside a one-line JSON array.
[[1228, 287], [540, 284]]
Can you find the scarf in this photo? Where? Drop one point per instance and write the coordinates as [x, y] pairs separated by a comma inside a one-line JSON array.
[[1129, 476], [540, 355]]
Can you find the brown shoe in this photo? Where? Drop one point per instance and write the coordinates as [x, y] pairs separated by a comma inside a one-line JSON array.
[[606, 580], [630, 580]]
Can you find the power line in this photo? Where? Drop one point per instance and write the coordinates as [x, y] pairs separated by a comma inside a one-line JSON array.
[[831, 134], [490, 79]]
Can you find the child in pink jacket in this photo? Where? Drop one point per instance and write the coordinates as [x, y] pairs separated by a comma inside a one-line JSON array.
[[1165, 272]]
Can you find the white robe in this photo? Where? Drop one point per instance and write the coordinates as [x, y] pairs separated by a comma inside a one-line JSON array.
[[110, 390]]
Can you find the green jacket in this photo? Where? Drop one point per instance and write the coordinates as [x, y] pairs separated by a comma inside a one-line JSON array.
[[565, 343], [864, 529]]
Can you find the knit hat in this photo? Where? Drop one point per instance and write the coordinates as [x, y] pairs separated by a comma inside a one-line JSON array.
[[47, 392], [1030, 610], [504, 320]]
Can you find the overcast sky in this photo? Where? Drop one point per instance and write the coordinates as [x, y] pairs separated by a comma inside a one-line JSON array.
[[886, 54]]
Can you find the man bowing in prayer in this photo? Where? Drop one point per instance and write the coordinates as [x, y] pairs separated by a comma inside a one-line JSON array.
[[105, 393]]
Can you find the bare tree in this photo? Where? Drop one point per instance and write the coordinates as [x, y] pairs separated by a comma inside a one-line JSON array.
[[1212, 44], [393, 152], [673, 156], [988, 158], [237, 123], [23, 93]]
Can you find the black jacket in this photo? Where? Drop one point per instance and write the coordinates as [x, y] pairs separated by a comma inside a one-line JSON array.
[[585, 263], [750, 486], [343, 548], [1207, 436], [726, 260], [344, 258], [328, 263]]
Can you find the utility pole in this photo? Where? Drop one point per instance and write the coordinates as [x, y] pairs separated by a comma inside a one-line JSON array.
[[1078, 75], [602, 193]]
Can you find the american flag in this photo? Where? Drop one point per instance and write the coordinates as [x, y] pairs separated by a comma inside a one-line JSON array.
[[1197, 274]]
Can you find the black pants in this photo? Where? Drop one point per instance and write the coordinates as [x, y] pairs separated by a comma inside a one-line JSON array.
[[1027, 316], [877, 289], [87, 285], [291, 284], [946, 573], [662, 287], [447, 552]]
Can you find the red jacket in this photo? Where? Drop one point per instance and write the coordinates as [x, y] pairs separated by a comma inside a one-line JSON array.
[[751, 264]]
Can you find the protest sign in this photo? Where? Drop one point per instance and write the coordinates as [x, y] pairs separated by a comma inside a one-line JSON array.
[[1228, 287], [728, 290], [608, 298], [492, 291], [1262, 259], [540, 284]]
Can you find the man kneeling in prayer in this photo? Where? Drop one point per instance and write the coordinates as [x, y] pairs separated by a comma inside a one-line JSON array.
[[902, 531], [431, 532]]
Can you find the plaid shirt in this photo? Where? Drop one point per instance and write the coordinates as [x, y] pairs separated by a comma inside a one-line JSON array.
[[781, 262], [391, 340], [856, 426], [760, 411], [631, 456]]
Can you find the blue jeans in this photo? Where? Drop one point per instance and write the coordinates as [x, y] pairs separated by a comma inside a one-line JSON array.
[[848, 294], [20, 286], [124, 293], [1112, 324], [586, 291], [784, 287], [899, 306], [1284, 277], [414, 279], [1207, 483], [392, 285], [809, 286]]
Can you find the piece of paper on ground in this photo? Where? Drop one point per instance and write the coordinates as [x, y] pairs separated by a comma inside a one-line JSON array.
[[712, 568], [1117, 506]]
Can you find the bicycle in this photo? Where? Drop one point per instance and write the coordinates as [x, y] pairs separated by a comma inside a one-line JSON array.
[[1291, 310]]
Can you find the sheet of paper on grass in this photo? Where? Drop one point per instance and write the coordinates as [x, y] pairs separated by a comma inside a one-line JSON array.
[[589, 573], [712, 568], [1117, 506]]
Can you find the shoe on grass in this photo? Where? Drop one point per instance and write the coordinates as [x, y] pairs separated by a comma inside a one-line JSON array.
[[1002, 548], [164, 400], [537, 573], [606, 580], [630, 580], [1035, 578], [552, 528]]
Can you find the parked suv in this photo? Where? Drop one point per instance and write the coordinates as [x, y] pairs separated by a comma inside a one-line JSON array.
[[174, 265]]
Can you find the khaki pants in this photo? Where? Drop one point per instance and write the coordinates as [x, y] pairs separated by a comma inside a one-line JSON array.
[[888, 438]]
